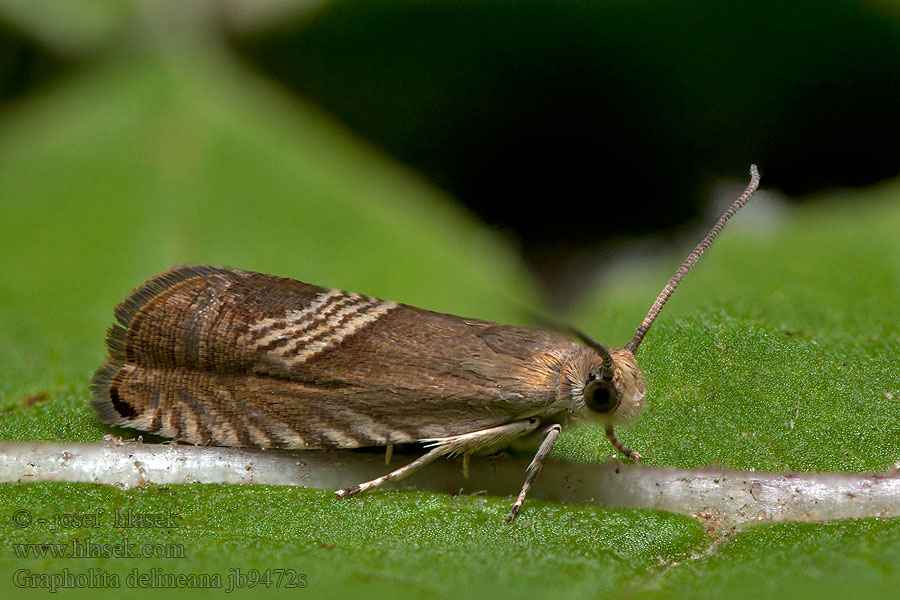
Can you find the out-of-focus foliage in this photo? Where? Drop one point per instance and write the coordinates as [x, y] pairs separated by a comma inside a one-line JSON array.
[[625, 111]]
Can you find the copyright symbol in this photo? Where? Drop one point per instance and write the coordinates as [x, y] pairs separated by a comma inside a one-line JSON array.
[[22, 518]]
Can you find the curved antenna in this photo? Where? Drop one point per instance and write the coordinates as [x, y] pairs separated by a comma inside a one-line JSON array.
[[691, 260], [608, 364]]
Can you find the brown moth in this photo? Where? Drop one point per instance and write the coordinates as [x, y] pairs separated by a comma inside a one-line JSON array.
[[211, 355]]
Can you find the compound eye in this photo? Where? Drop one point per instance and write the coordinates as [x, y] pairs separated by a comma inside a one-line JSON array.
[[601, 396]]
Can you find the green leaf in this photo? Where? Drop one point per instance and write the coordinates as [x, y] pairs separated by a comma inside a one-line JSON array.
[[778, 352]]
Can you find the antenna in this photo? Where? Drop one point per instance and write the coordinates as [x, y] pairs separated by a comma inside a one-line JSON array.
[[691, 259]]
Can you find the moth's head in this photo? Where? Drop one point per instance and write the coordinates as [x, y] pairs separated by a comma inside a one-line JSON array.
[[604, 384], [607, 395]]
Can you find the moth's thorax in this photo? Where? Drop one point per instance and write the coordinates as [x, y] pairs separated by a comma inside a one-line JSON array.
[[627, 378]]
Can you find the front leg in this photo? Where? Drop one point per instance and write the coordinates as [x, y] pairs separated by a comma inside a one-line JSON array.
[[614, 440], [535, 467]]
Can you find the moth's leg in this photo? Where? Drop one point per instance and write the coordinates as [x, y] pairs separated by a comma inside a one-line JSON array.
[[611, 436], [466, 460], [388, 453], [393, 475], [535, 467], [458, 444]]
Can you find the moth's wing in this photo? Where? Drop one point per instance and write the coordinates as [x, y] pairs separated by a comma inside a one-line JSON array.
[[221, 356]]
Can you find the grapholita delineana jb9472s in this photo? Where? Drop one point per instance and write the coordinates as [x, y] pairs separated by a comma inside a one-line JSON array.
[[211, 355]]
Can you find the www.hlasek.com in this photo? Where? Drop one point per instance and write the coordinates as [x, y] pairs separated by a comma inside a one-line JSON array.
[[91, 549], [235, 579]]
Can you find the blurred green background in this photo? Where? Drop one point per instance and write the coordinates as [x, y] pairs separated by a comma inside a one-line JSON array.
[[495, 160]]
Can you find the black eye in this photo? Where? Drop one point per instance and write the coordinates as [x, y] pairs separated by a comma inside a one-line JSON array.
[[601, 396]]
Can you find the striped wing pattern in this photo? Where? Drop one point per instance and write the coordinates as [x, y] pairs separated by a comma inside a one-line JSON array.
[[221, 356]]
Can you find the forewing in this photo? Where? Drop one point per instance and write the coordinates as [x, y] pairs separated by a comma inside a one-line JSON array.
[[212, 355]]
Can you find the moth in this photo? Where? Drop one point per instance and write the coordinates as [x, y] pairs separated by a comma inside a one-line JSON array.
[[212, 355]]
